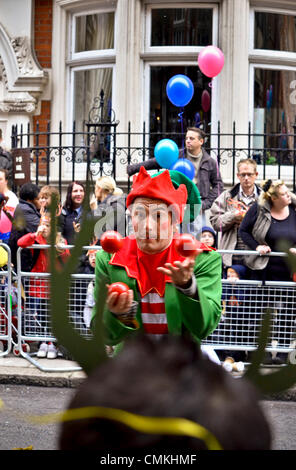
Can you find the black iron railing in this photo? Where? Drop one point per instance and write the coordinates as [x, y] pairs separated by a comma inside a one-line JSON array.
[[102, 148]]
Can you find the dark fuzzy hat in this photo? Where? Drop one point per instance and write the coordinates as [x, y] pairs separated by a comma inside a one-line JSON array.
[[240, 269], [206, 228]]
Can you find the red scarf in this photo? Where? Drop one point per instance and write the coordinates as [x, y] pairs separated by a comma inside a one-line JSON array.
[[142, 266]]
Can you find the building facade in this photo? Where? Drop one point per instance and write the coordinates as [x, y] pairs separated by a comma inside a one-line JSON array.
[[57, 55]]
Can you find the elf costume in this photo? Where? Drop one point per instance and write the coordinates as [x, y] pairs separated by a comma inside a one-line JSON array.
[[162, 307]]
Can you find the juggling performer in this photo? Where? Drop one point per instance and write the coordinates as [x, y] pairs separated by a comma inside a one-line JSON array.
[[173, 282]]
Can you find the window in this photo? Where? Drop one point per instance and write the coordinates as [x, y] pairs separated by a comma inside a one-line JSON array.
[[181, 27], [94, 32], [273, 78], [274, 112], [275, 31], [174, 37], [91, 63], [87, 85], [164, 116]]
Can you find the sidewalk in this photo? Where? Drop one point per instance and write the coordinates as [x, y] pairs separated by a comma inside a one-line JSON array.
[[65, 373], [49, 373]]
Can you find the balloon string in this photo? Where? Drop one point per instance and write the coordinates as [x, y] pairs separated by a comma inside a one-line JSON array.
[[180, 115]]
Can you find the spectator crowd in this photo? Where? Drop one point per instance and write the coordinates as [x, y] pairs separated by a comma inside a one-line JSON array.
[[248, 216]]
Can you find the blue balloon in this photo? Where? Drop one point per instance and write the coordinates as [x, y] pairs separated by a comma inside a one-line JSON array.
[[166, 153], [185, 166], [180, 90]]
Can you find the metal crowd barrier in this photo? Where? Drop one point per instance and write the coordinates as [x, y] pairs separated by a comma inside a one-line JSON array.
[[244, 305], [34, 323], [7, 328]]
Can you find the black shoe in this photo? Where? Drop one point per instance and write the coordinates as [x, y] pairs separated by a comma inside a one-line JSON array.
[[239, 356], [267, 359], [280, 358]]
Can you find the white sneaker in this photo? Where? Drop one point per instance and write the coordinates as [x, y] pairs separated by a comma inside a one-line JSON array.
[[43, 348], [52, 352]]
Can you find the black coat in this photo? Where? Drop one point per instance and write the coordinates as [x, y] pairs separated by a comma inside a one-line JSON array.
[[66, 220], [209, 181], [26, 220]]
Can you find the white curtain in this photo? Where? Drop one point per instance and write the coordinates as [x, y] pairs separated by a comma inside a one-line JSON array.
[[93, 32]]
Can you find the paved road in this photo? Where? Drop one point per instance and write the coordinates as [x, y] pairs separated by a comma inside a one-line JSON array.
[[21, 401]]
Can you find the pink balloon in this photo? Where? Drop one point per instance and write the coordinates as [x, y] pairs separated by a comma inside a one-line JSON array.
[[211, 61], [205, 101]]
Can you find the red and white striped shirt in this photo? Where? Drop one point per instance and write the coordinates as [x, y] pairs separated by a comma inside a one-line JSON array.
[[154, 318]]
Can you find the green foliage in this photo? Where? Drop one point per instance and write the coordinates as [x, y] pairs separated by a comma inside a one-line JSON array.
[[87, 352]]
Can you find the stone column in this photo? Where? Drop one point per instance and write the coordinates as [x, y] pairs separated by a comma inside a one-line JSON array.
[[128, 88], [22, 79], [234, 82]]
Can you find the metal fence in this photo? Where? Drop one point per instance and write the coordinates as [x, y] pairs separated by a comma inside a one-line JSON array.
[[244, 304], [7, 328], [243, 307]]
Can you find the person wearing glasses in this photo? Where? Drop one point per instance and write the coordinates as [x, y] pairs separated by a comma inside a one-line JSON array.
[[229, 209]]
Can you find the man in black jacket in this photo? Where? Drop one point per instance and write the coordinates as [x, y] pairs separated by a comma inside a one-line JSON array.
[[26, 220], [207, 175]]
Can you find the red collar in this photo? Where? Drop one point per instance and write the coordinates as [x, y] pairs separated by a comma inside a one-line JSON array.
[[142, 266]]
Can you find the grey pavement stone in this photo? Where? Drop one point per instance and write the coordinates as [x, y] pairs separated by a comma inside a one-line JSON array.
[[18, 370]]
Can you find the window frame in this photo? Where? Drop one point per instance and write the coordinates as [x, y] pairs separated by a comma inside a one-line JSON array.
[[167, 56], [76, 56], [87, 60], [268, 53], [259, 65], [82, 68], [148, 49], [267, 59], [175, 55]]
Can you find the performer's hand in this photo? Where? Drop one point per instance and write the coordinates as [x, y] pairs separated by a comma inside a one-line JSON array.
[[120, 303], [180, 271]]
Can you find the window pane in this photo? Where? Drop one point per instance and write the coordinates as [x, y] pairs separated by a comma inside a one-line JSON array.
[[275, 106], [94, 32], [164, 116], [181, 27], [87, 86], [275, 32]]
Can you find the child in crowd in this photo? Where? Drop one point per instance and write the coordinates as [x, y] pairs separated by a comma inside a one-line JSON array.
[[45, 198], [233, 322], [208, 236], [90, 301], [38, 291]]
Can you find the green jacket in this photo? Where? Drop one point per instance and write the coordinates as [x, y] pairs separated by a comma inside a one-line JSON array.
[[199, 317]]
